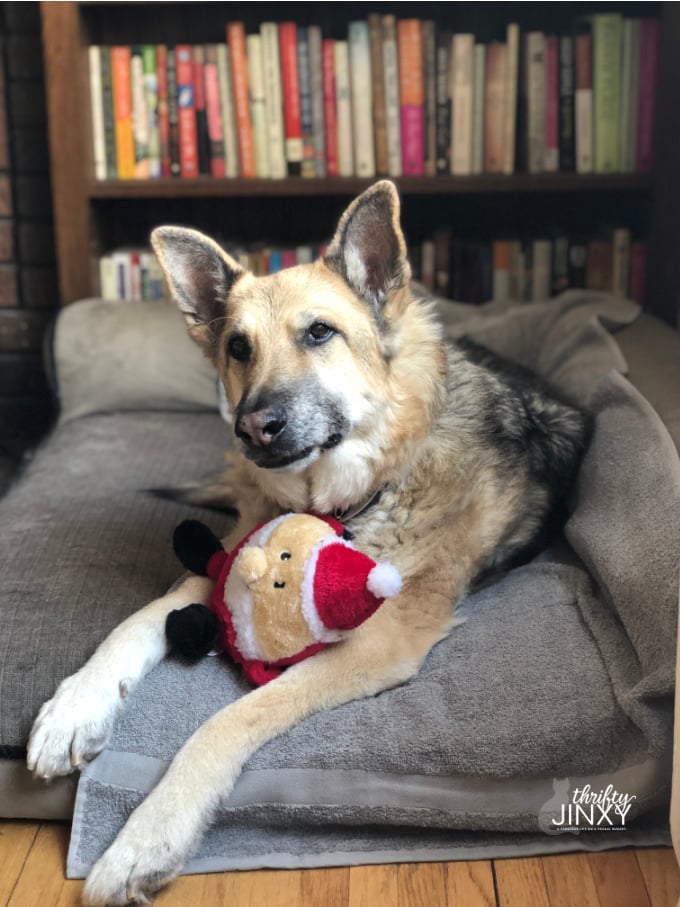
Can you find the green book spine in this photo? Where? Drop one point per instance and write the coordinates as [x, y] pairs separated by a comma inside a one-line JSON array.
[[151, 93], [109, 124], [607, 41]]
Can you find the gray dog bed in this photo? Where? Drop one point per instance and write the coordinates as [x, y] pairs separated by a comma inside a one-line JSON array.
[[560, 677]]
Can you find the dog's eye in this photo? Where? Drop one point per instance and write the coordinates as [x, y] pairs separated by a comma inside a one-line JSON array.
[[239, 348], [319, 333], [285, 555]]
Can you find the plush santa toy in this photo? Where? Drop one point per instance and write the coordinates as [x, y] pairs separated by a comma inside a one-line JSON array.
[[293, 586]]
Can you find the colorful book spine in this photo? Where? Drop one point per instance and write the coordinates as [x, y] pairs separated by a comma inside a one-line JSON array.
[[551, 154], [362, 98], [649, 51], [122, 106], [236, 39], [107, 112], [140, 120], [462, 66], [443, 100], [392, 101], [567, 124], [186, 112], [630, 85], [378, 89], [274, 99], [173, 114], [316, 68], [291, 97], [305, 80], [510, 102], [430, 98], [479, 108], [163, 112], [607, 32], [200, 107], [536, 101], [583, 97], [412, 96], [258, 109], [330, 107], [214, 112], [344, 109], [151, 96], [97, 110], [494, 131], [231, 161]]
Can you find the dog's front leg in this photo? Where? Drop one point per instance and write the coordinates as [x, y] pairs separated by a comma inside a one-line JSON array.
[[162, 832]]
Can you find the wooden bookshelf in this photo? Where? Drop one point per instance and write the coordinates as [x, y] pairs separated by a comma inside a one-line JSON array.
[[90, 214]]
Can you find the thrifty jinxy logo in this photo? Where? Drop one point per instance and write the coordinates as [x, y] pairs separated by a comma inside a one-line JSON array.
[[584, 809]]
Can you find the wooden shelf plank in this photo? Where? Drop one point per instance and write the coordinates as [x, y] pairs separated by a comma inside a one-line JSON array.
[[292, 187]]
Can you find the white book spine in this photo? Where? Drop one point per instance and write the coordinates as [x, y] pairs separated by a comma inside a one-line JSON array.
[[478, 108], [620, 262], [273, 99], [107, 278], [542, 270], [344, 110], [231, 161], [362, 98], [462, 77], [316, 67], [392, 110], [258, 111], [583, 105], [510, 110], [501, 285], [536, 100], [97, 102]]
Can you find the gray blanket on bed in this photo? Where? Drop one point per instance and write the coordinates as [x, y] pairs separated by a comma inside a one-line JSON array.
[[560, 676]]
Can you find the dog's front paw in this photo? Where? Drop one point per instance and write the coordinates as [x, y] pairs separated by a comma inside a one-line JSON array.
[[73, 726]]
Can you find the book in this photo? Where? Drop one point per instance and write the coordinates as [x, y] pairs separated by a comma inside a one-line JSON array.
[[231, 159], [108, 287], [214, 112], [620, 261], [411, 96], [362, 99], [510, 103], [583, 100], [173, 114], [258, 111], [291, 97], [140, 120], [443, 100], [551, 153], [392, 100], [316, 68], [378, 90], [566, 117], [427, 265], [186, 112], [648, 60], [202, 137], [599, 266], [494, 109], [541, 283], [122, 108], [630, 90], [273, 94], [560, 265], [479, 92], [429, 99], [151, 98], [305, 81], [607, 32], [535, 73], [236, 41], [163, 113], [442, 261], [578, 257], [108, 114], [462, 75], [330, 107], [344, 110], [501, 271], [638, 272], [97, 108]]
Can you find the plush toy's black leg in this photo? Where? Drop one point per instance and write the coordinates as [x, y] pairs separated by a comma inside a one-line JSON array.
[[194, 545], [191, 631]]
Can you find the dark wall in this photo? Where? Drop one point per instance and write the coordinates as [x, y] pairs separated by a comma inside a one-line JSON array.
[[28, 284]]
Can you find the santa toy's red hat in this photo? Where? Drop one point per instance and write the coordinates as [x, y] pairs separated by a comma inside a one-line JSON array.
[[343, 587]]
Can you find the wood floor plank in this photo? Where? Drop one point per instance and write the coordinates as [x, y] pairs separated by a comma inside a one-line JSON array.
[[470, 884], [661, 875], [16, 840], [422, 883], [569, 880], [521, 882], [618, 879], [42, 878], [270, 887], [373, 886], [327, 887]]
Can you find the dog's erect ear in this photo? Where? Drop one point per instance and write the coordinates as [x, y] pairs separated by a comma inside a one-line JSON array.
[[200, 275], [368, 249]]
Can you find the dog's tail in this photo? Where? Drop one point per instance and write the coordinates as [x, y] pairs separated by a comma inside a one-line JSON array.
[[209, 495]]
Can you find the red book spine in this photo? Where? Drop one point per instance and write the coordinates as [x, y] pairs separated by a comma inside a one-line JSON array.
[[412, 96], [552, 104], [236, 38], [291, 97], [329, 108], [214, 113], [584, 62], [188, 136], [649, 45], [163, 117]]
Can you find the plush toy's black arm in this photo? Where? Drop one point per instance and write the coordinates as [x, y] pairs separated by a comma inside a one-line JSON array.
[[194, 545], [191, 631]]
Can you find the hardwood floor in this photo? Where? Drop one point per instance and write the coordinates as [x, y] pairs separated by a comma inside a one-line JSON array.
[[33, 855]]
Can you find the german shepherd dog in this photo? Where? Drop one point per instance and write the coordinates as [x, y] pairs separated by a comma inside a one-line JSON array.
[[444, 461]]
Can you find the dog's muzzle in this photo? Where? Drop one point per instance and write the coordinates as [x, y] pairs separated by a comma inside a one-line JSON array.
[[260, 428]]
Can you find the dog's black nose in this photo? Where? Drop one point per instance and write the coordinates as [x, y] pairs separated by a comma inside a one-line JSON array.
[[260, 428]]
